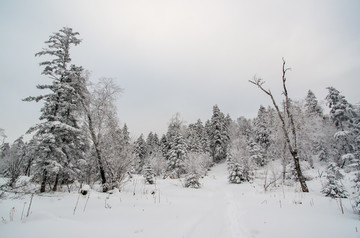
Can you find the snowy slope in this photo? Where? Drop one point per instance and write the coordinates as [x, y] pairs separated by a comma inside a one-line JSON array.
[[218, 209]]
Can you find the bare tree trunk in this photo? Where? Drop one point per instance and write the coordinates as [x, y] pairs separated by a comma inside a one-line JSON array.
[[284, 163], [43, 183], [301, 178], [292, 144], [98, 152], [56, 182], [28, 168]]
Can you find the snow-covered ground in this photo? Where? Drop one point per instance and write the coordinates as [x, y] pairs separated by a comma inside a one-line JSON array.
[[167, 209]]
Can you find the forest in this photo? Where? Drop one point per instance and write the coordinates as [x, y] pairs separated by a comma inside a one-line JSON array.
[[79, 141]]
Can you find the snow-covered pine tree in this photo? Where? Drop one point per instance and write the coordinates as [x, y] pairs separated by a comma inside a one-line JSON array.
[[177, 148], [140, 149], [256, 153], [235, 173], [192, 181], [61, 142], [333, 187], [153, 144], [261, 128], [164, 147], [346, 119], [177, 154], [312, 106], [218, 135], [150, 143], [241, 171], [194, 138], [125, 135], [148, 174]]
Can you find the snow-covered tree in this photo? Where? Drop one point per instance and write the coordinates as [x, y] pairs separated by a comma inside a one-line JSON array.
[[108, 145], [346, 118], [125, 135], [158, 163], [256, 153], [287, 122], [218, 135], [333, 187], [177, 148], [148, 174], [153, 143], [240, 172], [140, 149], [197, 163], [192, 181], [14, 161], [197, 138], [61, 141], [177, 154], [164, 146], [312, 106], [261, 127], [2, 136], [239, 164], [357, 192]]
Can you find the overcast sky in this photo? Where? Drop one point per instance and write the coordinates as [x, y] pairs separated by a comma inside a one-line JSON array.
[[182, 56]]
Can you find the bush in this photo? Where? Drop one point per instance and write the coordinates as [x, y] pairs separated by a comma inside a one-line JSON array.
[[240, 171], [192, 181], [148, 174], [197, 163]]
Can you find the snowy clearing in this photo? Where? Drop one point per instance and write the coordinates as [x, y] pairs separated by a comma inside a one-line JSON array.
[[167, 209]]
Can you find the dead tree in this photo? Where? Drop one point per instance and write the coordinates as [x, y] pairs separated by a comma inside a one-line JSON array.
[[290, 138]]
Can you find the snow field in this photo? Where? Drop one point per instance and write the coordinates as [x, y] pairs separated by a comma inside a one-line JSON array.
[[218, 209]]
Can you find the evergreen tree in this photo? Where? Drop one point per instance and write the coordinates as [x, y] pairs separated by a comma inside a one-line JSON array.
[[261, 125], [177, 148], [177, 154], [256, 153], [218, 135], [61, 142], [333, 187], [346, 119], [140, 148], [192, 181], [153, 143], [312, 106], [125, 135], [341, 112], [240, 172], [164, 147], [149, 174], [194, 138]]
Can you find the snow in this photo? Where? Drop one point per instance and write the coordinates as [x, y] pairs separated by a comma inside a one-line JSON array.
[[167, 209]]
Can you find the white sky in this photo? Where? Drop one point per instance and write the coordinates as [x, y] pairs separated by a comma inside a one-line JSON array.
[[182, 56]]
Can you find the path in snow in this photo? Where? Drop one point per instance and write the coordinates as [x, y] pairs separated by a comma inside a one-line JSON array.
[[222, 217]]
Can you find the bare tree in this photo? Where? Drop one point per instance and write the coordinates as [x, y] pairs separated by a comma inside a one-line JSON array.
[[290, 137], [101, 122]]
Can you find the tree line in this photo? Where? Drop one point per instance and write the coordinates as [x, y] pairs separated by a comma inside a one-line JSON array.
[[79, 137]]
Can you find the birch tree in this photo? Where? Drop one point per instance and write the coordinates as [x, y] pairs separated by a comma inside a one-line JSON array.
[[287, 121]]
